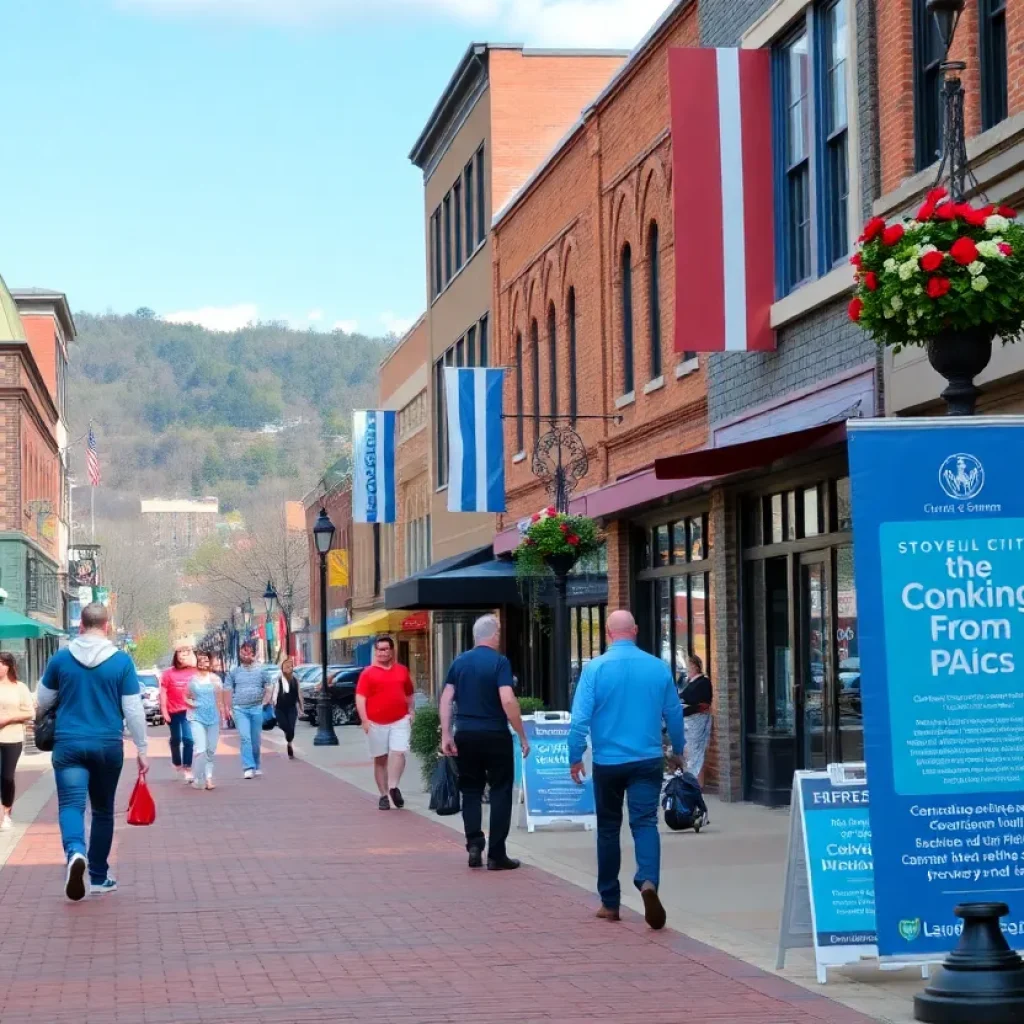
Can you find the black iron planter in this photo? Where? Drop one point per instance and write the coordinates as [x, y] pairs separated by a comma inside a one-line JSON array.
[[960, 356]]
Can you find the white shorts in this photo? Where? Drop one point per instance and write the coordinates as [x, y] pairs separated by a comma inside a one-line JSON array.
[[389, 739]]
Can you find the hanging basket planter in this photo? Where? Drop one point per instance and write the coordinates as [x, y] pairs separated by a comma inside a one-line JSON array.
[[554, 543]]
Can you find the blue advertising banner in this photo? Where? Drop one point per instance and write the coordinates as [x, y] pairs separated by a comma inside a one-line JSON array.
[[549, 792], [938, 515]]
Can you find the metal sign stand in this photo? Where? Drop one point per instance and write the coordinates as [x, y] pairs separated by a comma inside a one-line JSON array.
[[537, 725]]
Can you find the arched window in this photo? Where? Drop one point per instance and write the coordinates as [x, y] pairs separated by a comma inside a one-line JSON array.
[[654, 298], [535, 367], [552, 361], [627, 320], [519, 391], [571, 304]]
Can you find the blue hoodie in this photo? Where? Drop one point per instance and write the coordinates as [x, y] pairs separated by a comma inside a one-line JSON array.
[[89, 678]]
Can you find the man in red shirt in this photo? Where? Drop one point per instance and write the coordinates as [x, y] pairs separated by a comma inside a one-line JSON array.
[[384, 700]]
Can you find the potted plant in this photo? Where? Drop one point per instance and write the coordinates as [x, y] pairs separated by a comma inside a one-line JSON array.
[[555, 541], [950, 279]]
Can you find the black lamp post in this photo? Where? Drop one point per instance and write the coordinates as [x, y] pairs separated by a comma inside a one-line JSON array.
[[224, 634], [323, 536], [270, 601], [247, 616]]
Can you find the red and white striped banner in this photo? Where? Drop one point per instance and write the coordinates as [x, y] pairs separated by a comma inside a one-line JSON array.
[[721, 117]]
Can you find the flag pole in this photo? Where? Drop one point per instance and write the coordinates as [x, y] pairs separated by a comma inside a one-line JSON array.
[[92, 513]]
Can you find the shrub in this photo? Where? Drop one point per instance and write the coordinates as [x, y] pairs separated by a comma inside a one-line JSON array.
[[530, 705]]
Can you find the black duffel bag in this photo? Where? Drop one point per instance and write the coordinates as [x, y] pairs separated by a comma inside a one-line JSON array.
[[444, 788]]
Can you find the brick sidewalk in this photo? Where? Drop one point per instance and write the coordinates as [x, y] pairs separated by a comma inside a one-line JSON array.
[[291, 899]]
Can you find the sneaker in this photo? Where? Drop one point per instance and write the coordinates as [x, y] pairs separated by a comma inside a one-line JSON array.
[[74, 878], [189, 777], [258, 773], [384, 804], [196, 784], [247, 774], [6, 824], [396, 797], [110, 885]]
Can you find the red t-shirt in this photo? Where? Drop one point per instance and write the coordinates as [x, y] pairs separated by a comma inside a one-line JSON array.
[[175, 682], [387, 692]]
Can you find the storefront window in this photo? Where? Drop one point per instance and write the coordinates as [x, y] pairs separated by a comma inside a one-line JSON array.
[[661, 545], [586, 637], [768, 592]]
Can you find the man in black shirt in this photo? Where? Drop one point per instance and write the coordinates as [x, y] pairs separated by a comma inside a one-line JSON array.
[[480, 685]]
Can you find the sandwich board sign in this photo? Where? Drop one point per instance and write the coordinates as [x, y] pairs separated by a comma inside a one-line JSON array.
[[549, 794]]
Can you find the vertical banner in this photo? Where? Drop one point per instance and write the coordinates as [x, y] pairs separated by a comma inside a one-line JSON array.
[[373, 470], [337, 568], [476, 440], [938, 514]]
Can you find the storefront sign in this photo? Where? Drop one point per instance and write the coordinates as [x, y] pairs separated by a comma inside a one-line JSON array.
[[550, 794], [415, 623], [938, 510]]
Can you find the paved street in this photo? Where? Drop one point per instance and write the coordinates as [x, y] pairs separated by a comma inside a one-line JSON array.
[[293, 899]]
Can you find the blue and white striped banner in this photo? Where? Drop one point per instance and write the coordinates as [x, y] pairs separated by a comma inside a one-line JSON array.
[[476, 441], [373, 459]]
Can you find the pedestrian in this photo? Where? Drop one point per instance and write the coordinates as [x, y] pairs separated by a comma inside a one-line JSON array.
[[205, 700], [16, 708], [288, 702], [174, 710], [384, 700], [96, 692], [696, 697], [479, 685], [621, 700], [245, 694]]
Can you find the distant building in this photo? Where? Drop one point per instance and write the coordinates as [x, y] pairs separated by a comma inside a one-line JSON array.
[[180, 524], [188, 621]]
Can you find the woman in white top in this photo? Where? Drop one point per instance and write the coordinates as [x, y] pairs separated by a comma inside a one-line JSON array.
[[287, 700], [205, 699], [16, 708]]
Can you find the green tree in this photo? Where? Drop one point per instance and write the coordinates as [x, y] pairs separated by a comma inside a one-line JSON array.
[[149, 649]]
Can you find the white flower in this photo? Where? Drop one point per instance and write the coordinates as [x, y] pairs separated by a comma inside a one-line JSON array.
[[976, 268], [908, 269], [918, 290], [925, 249], [897, 302], [979, 284], [989, 249], [912, 225], [889, 266], [911, 318], [996, 223], [888, 313]]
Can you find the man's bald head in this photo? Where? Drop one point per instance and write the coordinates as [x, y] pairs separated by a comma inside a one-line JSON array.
[[620, 625]]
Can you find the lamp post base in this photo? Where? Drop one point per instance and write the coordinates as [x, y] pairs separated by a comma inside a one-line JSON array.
[[325, 734]]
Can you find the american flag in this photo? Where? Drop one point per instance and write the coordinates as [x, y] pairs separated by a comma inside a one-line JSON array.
[[92, 460]]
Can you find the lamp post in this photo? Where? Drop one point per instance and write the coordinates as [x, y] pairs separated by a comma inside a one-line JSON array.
[[270, 601], [247, 615], [224, 634], [323, 536]]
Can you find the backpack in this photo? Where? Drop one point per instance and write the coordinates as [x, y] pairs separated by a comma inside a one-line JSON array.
[[683, 803]]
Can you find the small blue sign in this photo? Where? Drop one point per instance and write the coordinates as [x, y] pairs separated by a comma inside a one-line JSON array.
[[938, 513], [550, 792]]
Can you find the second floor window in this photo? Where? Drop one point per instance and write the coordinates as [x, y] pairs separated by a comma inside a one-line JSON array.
[[481, 211], [928, 55], [992, 32], [654, 298], [447, 238], [626, 285], [467, 177], [552, 361], [520, 438], [535, 367], [571, 311], [457, 208]]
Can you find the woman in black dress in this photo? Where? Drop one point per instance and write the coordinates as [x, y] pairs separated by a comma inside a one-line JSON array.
[[288, 702]]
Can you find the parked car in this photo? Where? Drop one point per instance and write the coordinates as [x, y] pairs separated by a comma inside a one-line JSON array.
[[343, 679], [149, 685]]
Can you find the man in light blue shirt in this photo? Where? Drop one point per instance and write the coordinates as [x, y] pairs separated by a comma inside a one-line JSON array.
[[621, 700]]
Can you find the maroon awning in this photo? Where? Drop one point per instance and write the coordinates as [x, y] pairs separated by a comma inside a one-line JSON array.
[[744, 455]]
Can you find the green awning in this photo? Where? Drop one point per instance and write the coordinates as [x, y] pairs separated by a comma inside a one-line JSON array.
[[19, 627]]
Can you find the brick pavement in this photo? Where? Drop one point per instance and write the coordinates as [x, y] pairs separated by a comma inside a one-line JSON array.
[[292, 899]]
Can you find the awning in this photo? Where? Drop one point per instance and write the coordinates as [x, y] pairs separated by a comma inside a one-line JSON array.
[[472, 580], [19, 627], [370, 625], [745, 455]]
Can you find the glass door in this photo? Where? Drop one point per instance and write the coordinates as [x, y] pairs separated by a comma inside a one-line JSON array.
[[817, 689]]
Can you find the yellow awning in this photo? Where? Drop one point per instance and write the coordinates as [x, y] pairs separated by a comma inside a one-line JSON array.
[[369, 625]]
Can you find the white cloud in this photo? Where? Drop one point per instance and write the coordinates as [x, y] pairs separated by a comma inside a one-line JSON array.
[[315, 315], [216, 318], [619, 23], [345, 326], [396, 324]]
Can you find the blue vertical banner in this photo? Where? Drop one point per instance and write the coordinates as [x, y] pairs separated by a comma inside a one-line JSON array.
[[476, 440], [938, 515], [373, 466]]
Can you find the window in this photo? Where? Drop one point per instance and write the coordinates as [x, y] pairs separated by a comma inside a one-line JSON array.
[[435, 248], [484, 354], [447, 238], [62, 369], [992, 27], [535, 359], [441, 424], [460, 352], [467, 176], [572, 355], [797, 185], [481, 213], [928, 56], [520, 439], [471, 347], [627, 320], [654, 298], [457, 207], [552, 361], [836, 174]]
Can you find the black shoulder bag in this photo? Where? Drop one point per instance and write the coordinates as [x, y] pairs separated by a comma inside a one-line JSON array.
[[45, 733]]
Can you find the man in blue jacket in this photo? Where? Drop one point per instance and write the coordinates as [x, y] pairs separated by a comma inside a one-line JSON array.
[[96, 691], [621, 700]]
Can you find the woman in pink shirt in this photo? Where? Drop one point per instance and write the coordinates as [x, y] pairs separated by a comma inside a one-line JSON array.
[[173, 690]]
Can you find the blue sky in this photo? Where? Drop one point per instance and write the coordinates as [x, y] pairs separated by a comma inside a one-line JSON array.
[[228, 160]]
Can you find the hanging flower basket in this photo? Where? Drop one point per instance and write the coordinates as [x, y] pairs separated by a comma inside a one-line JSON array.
[[555, 542], [956, 271]]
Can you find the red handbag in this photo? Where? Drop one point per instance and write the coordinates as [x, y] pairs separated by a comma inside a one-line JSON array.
[[141, 808]]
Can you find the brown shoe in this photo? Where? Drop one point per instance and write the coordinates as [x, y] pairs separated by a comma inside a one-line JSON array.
[[654, 912], [608, 913]]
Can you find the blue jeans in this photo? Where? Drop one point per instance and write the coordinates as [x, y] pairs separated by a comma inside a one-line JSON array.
[[249, 723], [81, 768], [181, 739], [640, 783]]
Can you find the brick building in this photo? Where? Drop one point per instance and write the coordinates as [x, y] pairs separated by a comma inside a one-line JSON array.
[[180, 525]]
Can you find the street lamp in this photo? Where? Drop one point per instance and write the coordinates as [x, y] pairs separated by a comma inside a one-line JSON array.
[[247, 615], [323, 536], [270, 600], [224, 634]]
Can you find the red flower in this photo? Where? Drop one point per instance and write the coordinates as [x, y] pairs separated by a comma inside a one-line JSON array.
[[873, 229], [892, 234], [1006, 249], [529, 542], [976, 218], [870, 280], [535, 518], [935, 195], [564, 527], [572, 539], [1007, 211], [854, 309], [947, 211], [551, 510], [938, 286], [926, 211], [964, 251], [932, 261], [856, 260]]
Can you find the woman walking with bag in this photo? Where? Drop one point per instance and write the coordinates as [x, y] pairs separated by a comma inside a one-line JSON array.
[[288, 702], [16, 708], [205, 700], [173, 687], [696, 697]]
